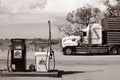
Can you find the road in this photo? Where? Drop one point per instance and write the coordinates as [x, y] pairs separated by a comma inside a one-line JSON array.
[[92, 67], [77, 67]]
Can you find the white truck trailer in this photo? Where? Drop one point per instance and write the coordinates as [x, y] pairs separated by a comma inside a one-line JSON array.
[[95, 39]]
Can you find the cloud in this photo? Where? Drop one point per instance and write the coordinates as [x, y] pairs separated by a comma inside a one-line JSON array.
[[41, 10], [22, 6], [62, 6], [21, 11], [44, 6], [65, 6], [2, 9]]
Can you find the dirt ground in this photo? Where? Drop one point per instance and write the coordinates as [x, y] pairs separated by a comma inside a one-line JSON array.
[[76, 67]]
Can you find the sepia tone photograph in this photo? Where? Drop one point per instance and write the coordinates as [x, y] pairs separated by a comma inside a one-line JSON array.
[[59, 39]]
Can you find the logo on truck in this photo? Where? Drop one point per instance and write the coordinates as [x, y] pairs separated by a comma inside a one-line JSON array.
[[96, 33]]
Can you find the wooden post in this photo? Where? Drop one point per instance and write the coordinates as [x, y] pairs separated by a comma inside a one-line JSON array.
[[49, 23]]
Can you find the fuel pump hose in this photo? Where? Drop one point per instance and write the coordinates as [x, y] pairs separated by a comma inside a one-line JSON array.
[[8, 55], [52, 57]]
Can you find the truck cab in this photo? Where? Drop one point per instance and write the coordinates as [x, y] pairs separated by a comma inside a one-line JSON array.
[[96, 37]]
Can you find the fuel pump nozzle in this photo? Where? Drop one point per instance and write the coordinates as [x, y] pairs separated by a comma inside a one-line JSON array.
[[8, 59], [51, 54]]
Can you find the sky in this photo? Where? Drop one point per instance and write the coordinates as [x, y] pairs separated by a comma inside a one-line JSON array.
[[28, 18]]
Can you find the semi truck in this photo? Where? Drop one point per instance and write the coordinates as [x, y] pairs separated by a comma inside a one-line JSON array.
[[95, 39]]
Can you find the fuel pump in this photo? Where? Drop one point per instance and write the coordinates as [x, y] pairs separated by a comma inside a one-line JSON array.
[[18, 55], [43, 59]]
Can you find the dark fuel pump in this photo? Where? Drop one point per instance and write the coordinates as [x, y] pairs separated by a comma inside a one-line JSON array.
[[18, 55]]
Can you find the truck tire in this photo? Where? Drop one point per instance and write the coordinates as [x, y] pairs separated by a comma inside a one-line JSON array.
[[68, 51], [113, 50], [119, 51]]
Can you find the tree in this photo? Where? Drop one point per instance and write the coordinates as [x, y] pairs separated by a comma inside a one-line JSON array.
[[79, 19], [83, 16], [112, 10], [65, 29]]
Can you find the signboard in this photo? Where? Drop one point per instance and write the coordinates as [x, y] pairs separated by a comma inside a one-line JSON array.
[[42, 61], [17, 54]]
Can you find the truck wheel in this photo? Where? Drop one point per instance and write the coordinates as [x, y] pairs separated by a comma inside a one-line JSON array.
[[113, 50], [68, 51], [119, 51]]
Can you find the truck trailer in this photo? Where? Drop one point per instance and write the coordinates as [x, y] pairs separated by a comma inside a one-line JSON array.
[[95, 39]]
